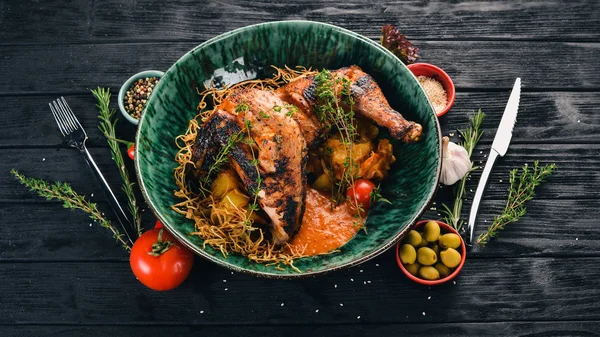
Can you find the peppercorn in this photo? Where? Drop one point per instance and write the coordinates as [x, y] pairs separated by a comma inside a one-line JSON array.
[[137, 95]]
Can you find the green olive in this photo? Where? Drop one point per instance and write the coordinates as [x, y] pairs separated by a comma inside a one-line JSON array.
[[424, 242], [414, 238], [426, 256], [435, 247], [449, 240], [431, 231], [413, 268], [408, 255], [224, 182], [442, 269], [450, 257], [429, 273]]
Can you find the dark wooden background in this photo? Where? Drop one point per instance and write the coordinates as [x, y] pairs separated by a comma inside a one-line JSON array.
[[61, 276]]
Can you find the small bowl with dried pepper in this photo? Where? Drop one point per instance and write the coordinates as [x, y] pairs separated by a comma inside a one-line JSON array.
[[437, 85], [135, 93]]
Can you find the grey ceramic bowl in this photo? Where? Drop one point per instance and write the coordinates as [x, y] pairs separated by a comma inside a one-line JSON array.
[[127, 85], [248, 53]]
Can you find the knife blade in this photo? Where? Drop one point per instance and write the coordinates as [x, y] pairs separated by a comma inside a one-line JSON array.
[[499, 148]]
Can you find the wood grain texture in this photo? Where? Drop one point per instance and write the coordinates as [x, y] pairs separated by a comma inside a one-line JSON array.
[[551, 228], [548, 117], [514, 329], [518, 289], [573, 179], [42, 22], [477, 65]]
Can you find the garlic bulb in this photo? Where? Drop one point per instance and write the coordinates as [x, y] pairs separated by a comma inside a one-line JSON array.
[[455, 162]]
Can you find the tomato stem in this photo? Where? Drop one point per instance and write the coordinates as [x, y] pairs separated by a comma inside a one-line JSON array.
[[160, 247]]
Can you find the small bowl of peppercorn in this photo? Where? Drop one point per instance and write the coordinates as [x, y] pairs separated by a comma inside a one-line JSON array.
[[135, 93]]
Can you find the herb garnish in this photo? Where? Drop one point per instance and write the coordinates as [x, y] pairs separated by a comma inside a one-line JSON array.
[[72, 200], [471, 137], [521, 190], [107, 125]]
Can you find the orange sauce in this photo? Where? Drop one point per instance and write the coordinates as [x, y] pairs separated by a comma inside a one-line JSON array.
[[323, 228]]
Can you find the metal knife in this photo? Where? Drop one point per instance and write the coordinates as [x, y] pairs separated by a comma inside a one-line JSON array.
[[499, 147]]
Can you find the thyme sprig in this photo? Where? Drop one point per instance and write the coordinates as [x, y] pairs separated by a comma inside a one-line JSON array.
[[71, 200], [107, 125], [522, 189], [471, 136], [336, 111]]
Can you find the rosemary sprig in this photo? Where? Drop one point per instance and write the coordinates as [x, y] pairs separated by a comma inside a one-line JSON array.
[[471, 137], [72, 200], [107, 125], [521, 190]]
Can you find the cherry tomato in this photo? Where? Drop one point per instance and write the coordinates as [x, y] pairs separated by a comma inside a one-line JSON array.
[[159, 261], [361, 192], [158, 224], [131, 151]]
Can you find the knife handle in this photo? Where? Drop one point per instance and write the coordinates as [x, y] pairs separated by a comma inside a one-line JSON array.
[[489, 164]]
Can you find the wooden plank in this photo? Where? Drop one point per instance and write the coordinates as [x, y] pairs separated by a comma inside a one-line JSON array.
[[576, 172], [488, 290], [544, 117], [515, 329], [468, 63], [29, 121], [158, 20], [46, 232]]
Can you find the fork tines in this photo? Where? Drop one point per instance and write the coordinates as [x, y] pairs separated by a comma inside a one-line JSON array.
[[64, 116]]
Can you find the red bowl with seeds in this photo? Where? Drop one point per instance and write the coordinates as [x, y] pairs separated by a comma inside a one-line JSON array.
[[135, 92], [452, 272], [432, 89]]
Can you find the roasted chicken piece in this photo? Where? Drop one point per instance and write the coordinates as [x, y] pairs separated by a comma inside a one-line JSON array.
[[275, 141], [369, 102]]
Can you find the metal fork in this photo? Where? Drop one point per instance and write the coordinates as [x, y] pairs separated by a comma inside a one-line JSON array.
[[76, 136]]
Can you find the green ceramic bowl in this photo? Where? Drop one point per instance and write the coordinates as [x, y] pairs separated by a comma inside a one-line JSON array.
[[248, 53]]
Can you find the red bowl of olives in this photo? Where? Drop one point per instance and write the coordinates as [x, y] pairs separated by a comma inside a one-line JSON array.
[[431, 253]]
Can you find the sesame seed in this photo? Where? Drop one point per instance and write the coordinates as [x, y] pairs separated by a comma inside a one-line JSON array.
[[357, 317], [224, 281], [201, 311], [454, 282], [500, 180], [423, 313], [364, 282], [351, 280], [282, 304], [43, 159], [368, 281], [429, 297], [335, 285], [361, 270], [485, 155], [341, 304], [376, 264], [91, 195], [226, 289], [317, 310], [90, 225]]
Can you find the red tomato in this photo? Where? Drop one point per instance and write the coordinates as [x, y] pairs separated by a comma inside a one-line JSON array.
[[361, 192], [165, 271], [131, 151], [158, 224]]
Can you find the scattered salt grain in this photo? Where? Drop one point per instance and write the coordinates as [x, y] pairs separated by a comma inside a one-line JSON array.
[[226, 289], [376, 264], [368, 281], [282, 304], [361, 270], [43, 159], [351, 280], [341, 304], [423, 313], [500, 180], [471, 190], [480, 151], [454, 282], [92, 195], [429, 297], [224, 281], [485, 155], [578, 121], [335, 285], [576, 239], [317, 310], [451, 134], [357, 317], [90, 225], [364, 282], [201, 311]]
